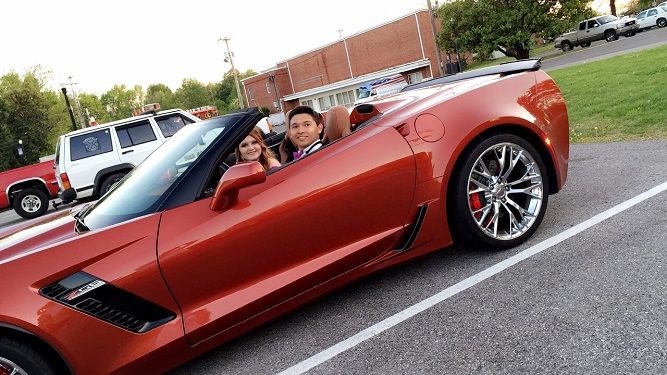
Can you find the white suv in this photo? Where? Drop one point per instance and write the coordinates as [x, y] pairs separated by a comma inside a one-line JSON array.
[[89, 161]]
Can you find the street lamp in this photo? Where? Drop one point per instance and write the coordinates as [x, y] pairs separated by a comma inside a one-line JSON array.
[[230, 56], [456, 48]]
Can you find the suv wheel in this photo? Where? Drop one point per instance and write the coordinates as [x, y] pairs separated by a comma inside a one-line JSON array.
[[109, 182], [661, 22], [30, 203]]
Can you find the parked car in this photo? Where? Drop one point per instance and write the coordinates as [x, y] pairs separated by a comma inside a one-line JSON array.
[[28, 189], [652, 17], [89, 161], [187, 252], [607, 28]]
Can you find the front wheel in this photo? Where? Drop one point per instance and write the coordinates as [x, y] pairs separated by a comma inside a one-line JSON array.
[[16, 358], [30, 203], [661, 22], [566, 46], [500, 193], [610, 35]]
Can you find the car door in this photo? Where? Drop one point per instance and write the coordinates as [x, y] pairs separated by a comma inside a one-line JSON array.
[[641, 20], [651, 18], [582, 32], [137, 140], [309, 222], [593, 31]]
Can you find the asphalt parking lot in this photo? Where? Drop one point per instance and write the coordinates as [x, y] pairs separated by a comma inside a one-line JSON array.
[[594, 303]]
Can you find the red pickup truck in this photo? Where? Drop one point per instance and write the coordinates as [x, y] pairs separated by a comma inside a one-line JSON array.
[[28, 189]]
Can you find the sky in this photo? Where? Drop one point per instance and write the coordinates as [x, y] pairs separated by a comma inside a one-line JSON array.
[[103, 43]]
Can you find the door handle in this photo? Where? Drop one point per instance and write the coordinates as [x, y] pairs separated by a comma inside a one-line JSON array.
[[127, 152]]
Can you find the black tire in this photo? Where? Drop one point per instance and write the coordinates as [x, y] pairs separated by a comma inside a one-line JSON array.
[[16, 355], [587, 44], [30, 203], [610, 35], [566, 46], [109, 182], [513, 200], [661, 22]]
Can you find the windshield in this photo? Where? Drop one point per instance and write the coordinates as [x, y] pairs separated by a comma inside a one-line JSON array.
[[364, 94], [142, 190], [607, 19]]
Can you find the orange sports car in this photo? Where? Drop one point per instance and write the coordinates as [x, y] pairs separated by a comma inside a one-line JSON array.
[[188, 251]]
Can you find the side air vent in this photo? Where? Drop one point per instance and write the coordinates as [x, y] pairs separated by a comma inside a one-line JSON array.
[[53, 290], [104, 301]]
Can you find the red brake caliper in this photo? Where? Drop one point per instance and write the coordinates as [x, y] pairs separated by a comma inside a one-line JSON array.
[[476, 204]]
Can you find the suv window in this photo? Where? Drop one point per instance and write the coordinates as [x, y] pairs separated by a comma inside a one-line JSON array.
[[90, 144], [582, 26], [592, 24], [641, 15], [652, 12], [135, 134], [169, 125]]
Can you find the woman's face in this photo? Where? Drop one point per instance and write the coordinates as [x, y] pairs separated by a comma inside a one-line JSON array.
[[250, 149]]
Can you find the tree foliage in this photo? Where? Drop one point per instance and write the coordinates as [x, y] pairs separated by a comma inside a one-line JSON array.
[[30, 113], [508, 26]]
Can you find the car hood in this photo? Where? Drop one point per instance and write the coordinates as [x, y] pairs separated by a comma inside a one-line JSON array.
[[32, 236]]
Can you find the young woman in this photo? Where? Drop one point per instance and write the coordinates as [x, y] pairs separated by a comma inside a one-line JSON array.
[[252, 148]]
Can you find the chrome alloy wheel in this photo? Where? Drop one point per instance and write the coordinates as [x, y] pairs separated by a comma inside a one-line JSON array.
[[8, 367], [505, 191], [31, 203]]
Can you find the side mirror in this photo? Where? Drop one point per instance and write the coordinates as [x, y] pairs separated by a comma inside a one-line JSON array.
[[236, 178]]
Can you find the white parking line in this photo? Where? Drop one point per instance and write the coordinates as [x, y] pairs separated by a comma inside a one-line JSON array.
[[417, 308]]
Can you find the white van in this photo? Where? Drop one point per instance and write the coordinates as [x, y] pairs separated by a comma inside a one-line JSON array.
[[89, 161]]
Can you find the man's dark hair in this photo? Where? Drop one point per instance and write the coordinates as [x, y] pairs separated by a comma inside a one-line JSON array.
[[304, 109]]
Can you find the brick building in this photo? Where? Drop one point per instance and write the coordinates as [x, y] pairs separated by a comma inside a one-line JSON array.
[[331, 75]]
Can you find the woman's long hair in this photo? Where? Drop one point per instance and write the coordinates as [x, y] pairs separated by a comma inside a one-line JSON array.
[[266, 152]]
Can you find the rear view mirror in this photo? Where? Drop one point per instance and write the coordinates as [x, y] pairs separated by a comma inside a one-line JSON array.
[[237, 177]]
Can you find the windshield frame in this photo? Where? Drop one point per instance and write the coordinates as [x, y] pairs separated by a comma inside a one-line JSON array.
[[106, 211]]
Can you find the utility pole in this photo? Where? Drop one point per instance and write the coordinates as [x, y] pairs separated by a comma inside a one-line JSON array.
[[230, 56], [79, 112], [435, 36]]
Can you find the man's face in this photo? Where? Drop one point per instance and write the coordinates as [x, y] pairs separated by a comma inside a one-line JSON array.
[[304, 130]]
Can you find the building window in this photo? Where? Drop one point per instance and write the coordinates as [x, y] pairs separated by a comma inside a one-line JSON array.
[[326, 102], [309, 103], [415, 77], [345, 98], [268, 87], [251, 95]]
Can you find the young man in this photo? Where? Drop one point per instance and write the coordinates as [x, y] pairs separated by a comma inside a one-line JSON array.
[[305, 127]]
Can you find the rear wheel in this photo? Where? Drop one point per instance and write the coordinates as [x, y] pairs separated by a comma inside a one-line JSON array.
[[661, 22], [500, 193], [566, 45], [610, 35], [109, 182], [17, 358], [30, 203]]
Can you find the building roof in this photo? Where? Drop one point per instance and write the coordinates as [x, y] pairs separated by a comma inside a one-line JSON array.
[[360, 79]]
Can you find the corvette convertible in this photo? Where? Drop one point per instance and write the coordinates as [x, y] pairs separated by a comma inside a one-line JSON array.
[[190, 250]]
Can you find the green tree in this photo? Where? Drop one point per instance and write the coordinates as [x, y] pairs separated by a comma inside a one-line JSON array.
[[95, 108], [192, 94], [25, 108], [508, 26], [121, 101], [160, 93]]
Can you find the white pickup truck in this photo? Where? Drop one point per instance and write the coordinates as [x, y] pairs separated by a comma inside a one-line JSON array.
[[607, 27]]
